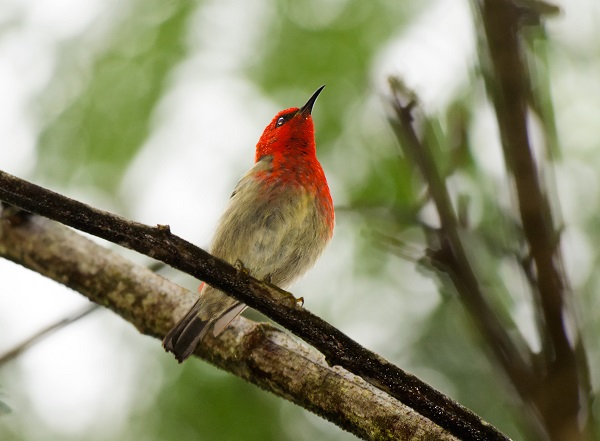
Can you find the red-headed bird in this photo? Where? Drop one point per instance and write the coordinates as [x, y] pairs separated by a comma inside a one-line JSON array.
[[279, 220]]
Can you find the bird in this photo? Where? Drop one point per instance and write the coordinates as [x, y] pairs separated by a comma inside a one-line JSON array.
[[279, 219]]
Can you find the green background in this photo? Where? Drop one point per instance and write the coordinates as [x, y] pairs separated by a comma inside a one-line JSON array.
[[120, 91]]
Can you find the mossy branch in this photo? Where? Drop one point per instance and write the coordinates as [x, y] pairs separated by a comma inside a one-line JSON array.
[[153, 313]]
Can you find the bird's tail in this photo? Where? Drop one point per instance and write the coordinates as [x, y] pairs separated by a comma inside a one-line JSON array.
[[187, 333], [182, 339]]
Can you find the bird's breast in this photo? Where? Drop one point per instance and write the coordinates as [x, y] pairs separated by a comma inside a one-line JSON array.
[[276, 228]]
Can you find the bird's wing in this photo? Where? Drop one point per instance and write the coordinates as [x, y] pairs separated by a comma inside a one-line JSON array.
[[264, 164]]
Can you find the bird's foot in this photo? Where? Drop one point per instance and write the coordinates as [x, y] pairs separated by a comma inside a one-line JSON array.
[[286, 298], [282, 296], [240, 268]]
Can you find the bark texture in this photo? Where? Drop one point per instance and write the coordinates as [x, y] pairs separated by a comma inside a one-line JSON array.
[[256, 352]]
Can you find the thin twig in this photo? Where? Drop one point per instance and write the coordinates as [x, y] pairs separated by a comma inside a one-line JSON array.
[[47, 331], [510, 351]]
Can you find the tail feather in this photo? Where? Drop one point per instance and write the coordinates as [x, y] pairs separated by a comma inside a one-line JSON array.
[[222, 321], [173, 334], [187, 333], [190, 337]]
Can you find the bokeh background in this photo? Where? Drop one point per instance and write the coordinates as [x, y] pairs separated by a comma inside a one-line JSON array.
[[151, 109]]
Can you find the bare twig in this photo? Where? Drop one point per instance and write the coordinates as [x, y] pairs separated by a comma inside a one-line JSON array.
[[338, 348], [510, 351], [43, 333]]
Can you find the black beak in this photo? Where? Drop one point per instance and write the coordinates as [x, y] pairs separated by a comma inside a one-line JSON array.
[[307, 108]]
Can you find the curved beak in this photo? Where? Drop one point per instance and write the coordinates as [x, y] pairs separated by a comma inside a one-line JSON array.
[[307, 108]]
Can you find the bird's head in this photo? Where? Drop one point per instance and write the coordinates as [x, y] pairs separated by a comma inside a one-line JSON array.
[[291, 132]]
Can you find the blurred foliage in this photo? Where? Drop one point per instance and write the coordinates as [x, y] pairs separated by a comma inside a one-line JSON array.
[[102, 127], [99, 111], [4, 408], [216, 406], [470, 378], [331, 42]]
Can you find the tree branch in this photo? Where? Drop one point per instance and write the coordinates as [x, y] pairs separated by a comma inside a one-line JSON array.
[[562, 378], [258, 353], [510, 351], [45, 332], [160, 244]]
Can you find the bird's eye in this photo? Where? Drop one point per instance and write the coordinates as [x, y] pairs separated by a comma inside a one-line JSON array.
[[280, 122]]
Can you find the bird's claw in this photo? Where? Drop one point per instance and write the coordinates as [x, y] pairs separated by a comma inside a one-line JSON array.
[[289, 300], [240, 268], [280, 295], [164, 229]]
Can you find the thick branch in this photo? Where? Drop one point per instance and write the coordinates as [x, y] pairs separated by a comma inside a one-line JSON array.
[[562, 377], [338, 348], [259, 353], [510, 91]]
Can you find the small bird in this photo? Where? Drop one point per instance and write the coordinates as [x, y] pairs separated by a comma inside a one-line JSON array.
[[279, 219]]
